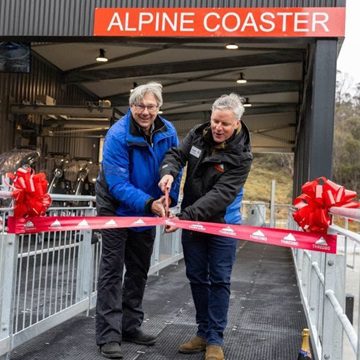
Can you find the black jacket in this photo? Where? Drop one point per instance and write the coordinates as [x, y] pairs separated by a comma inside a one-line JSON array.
[[215, 174]]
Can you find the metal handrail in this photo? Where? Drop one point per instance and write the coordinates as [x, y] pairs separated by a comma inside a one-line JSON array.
[[349, 213], [55, 197], [321, 281], [47, 278]]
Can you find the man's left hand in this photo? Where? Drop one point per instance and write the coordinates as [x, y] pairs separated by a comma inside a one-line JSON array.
[[171, 228]]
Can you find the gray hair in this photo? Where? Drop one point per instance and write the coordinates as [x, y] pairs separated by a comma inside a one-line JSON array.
[[231, 102], [140, 91]]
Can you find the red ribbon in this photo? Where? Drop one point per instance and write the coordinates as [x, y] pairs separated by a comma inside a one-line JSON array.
[[317, 198], [29, 193], [270, 236]]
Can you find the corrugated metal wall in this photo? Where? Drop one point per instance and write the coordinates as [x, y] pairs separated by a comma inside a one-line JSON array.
[[43, 80], [75, 17]]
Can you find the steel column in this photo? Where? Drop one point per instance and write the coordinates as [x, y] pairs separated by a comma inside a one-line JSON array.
[[323, 105]]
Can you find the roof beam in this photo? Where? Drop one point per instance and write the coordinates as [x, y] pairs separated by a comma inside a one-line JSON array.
[[64, 110], [120, 58], [196, 95], [86, 123], [200, 116], [270, 58], [205, 115]]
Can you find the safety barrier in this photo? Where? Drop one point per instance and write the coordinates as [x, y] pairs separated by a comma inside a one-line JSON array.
[[47, 278], [325, 281]]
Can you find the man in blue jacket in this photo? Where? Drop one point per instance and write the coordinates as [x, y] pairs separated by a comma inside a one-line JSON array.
[[134, 148], [218, 158]]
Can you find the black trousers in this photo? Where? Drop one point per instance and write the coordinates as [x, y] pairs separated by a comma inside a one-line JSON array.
[[119, 300]]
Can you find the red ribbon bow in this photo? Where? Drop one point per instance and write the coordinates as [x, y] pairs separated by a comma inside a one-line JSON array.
[[317, 198], [29, 193]]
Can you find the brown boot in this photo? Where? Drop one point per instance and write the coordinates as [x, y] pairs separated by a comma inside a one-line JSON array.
[[214, 352], [194, 345]]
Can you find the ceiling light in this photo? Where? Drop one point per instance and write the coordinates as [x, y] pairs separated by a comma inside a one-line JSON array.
[[232, 46], [241, 79], [160, 112], [247, 102], [102, 57], [133, 87]]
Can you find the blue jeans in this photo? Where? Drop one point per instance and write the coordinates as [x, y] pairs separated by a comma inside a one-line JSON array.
[[209, 260]]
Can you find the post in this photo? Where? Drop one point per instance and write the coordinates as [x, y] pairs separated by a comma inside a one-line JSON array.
[[8, 265], [332, 335], [85, 268], [272, 204], [156, 252]]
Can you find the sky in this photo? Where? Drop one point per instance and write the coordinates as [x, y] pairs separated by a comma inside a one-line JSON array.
[[349, 57]]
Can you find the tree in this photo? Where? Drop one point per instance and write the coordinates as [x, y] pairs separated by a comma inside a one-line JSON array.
[[346, 159], [344, 88]]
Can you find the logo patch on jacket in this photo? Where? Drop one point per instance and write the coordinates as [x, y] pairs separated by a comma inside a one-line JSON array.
[[195, 151], [219, 168]]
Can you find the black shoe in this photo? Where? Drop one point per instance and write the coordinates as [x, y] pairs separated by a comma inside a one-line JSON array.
[[139, 337], [111, 350]]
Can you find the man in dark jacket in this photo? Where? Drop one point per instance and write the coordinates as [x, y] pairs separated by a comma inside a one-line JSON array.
[[134, 148], [218, 157]]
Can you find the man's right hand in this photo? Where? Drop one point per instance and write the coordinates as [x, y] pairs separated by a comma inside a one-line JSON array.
[[158, 207], [166, 182]]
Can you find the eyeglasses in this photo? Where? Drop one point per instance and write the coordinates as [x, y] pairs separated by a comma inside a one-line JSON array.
[[150, 108]]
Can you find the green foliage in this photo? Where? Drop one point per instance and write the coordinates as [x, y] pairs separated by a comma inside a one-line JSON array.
[[346, 159], [346, 155], [268, 167]]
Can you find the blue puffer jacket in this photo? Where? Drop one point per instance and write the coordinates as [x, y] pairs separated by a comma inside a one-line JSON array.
[[130, 168]]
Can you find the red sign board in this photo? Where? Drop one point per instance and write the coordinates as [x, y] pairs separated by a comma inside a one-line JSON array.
[[220, 22]]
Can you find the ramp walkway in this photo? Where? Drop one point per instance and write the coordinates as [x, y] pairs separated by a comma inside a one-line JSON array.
[[265, 317]]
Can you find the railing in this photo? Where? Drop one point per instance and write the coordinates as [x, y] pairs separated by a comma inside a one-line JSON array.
[[261, 213], [329, 284], [47, 278], [325, 281]]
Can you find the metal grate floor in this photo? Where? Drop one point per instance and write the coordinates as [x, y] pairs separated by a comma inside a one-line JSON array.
[[265, 316]]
